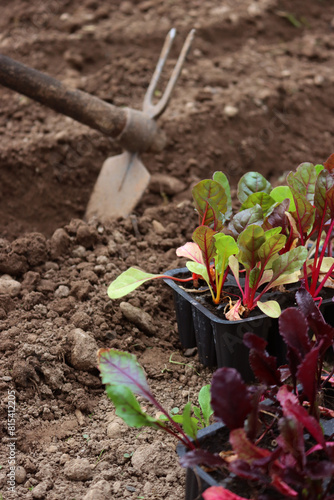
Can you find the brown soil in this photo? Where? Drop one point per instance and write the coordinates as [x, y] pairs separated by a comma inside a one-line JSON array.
[[249, 55]]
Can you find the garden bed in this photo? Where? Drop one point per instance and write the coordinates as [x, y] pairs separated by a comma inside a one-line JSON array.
[[247, 59]]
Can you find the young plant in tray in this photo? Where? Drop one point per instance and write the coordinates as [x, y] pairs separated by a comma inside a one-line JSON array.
[[270, 241], [299, 460]]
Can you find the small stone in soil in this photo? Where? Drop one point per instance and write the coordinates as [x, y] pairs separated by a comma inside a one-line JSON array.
[[78, 469], [138, 317]]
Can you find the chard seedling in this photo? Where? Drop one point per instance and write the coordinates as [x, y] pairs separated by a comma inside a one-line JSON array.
[[125, 378]]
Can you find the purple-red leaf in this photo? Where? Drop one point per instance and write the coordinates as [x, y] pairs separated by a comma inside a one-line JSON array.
[[230, 399], [291, 439], [263, 365], [292, 408], [201, 457], [307, 374], [294, 330]]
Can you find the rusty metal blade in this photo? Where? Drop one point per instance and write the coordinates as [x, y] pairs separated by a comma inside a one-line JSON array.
[[119, 187]]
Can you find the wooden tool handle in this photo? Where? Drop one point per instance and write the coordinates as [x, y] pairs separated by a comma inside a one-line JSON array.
[[135, 131]]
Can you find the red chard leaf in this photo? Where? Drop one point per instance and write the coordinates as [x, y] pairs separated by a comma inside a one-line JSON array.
[[294, 330], [245, 218], [201, 457], [278, 218], [230, 399], [252, 182], [220, 493], [292, 408], [244, 448], [306, 374], [263, 365], [291, 439], [329, 163]]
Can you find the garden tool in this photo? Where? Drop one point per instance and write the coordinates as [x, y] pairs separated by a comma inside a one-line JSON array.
[[123, 178]]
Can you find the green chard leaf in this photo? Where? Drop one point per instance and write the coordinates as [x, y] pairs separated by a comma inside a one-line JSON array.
[[122, 368], [128, 408], [210, 201], [288, 263], [204, 399], [128, 281], [245, 218], [249, 242], [271, 308], [221, 178], [189, 424], [225, 247], [263, 199], [281, 193], [305, 212], [204, 237], [252, 182], [307, 174], [198, 268], [273, 244]]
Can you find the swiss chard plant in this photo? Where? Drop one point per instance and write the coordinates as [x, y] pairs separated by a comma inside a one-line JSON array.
[[278, 236], [299, 460], [125, 379]]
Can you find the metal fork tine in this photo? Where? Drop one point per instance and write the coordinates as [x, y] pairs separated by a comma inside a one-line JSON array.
[[154, 111]]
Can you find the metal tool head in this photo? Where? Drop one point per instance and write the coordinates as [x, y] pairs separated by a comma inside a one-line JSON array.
[[156, 110]]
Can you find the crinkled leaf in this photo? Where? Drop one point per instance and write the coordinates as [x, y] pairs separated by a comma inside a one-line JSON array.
[[245, 218], [204, 398], [270, 247], [264, 366], [204, 237], [329, 163], [128, 408], [292, 408], [278, 217], [220, 493], [289, 262], [128, 281], [204, 192], [252, 182], [122, 368], [221, 178], [263, 199], [191, 251], [282, 193], [201, 457], [225, 247], [305, 212], [249, 242], [271, 308], [307, 174], [323, 197], [200, 269], [230, 399], [234, 313]]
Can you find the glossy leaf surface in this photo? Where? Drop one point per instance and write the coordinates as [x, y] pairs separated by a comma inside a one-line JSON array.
[[252, 182]]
